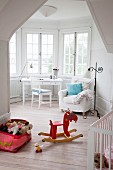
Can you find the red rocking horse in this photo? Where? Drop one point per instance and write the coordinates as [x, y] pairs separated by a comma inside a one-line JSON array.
[[68, 117]]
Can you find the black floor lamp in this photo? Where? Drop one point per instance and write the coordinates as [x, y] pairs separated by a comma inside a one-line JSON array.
[[99, 70]]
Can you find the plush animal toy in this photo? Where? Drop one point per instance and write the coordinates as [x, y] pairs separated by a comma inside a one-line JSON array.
[[97, 161], [13, 127], [11, 124], [14, 130], [26, 129]]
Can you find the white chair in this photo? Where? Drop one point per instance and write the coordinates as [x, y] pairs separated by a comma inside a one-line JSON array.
[[38, 91], [81, 102]]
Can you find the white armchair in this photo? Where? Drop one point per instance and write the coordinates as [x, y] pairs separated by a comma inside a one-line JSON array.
[[81, 102]]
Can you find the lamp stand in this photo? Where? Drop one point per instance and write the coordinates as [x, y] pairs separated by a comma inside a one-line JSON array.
[[95, 110], [99, 70]]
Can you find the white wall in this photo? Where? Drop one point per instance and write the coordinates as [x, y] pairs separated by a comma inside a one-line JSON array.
[[4, 78], [46, 24], [100, 55], [12, 15]]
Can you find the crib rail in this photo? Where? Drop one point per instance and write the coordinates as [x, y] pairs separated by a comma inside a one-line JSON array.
[[100, 138]]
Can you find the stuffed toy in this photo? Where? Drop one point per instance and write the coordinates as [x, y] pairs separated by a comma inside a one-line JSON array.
[[10, 124], [26, 129], [17, 128], [14, 130], [97, 161]]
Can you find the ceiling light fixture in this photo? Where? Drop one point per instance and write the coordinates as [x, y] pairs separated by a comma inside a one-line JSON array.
[[47, 10]]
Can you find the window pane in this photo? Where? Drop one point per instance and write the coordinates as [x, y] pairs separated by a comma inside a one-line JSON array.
[[35, 38], [68, 53], [32, 67], [50, 39], [44, 49], [29, 48], [72, 60], [50, 49], [32, 53], [44, 39], [13, 54], [29, 38], [35, 50], [81, 53], [47, 53]]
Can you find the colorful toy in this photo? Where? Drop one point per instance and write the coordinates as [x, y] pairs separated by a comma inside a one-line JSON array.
[[68, 117], [26, 129], [38, 148]]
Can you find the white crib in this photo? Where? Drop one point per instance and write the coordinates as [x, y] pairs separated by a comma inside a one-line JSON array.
[[100, 138]]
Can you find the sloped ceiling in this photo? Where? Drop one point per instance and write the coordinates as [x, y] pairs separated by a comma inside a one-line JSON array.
[[102, 13], [13, 13]]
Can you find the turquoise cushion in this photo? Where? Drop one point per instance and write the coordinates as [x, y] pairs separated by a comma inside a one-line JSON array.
[[74, 89]]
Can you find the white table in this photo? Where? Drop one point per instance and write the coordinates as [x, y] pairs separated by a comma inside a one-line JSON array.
[[42, 81]]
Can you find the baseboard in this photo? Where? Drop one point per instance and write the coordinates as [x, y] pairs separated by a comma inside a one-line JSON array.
[[101, 111], [103, 106], [19, 99], [15, 99]]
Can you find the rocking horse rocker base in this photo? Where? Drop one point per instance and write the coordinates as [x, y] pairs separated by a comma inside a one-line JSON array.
[[68, 117]]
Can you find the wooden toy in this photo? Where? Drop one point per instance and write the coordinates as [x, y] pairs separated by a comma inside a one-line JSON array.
[[68, 117]]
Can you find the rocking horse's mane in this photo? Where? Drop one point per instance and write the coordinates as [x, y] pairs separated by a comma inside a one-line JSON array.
[[69, 116]]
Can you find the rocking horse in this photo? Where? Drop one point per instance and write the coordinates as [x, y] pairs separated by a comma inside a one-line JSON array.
[[68, 117]]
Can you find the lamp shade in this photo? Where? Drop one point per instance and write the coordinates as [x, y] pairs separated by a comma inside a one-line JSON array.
[[47, 10]]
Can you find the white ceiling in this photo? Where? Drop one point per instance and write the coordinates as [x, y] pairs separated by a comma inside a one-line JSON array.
[[66, 9]]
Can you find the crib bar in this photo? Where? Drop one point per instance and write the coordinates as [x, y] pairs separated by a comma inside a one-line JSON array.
[[90, 154], [97, 142], [105, 134], [109, 152], [100, 151]]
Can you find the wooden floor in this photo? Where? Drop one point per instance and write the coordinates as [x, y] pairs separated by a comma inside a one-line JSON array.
[[63, 156]]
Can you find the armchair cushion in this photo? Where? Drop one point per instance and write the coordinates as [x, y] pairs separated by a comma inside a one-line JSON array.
[[74, 89], [85, 82], [69, 99]]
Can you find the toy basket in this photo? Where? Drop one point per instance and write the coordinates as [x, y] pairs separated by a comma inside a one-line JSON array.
[[12, 143]]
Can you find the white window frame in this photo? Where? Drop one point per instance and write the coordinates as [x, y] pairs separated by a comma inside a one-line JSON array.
[[26, 31], [61, 47]]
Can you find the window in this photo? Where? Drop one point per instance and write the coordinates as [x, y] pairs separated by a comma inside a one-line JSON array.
[[47, 53], [13, 54], [39, 53], [81, 53], [32, 53], [68, 53], [75, 53]]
